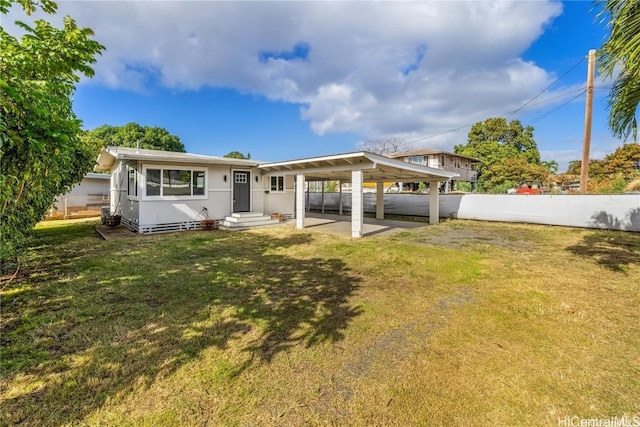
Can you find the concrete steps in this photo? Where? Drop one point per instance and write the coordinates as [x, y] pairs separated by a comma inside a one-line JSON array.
[[244, 220]]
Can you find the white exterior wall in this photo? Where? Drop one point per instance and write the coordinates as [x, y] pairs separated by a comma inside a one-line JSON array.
[[217, 200], [91, 192], [275, 202], [146, 212], [433, 161], [120, 204], [257, 191], [118, 193]]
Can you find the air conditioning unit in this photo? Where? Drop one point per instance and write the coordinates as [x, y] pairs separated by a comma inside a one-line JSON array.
[[105, 211]]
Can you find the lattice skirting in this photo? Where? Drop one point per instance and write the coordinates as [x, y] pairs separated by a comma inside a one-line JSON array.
[[133, 226], [160, 228]]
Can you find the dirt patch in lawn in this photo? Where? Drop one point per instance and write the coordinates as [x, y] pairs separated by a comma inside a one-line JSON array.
[[387, 353], [471, 238]]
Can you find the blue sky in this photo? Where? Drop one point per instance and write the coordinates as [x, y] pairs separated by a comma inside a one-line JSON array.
[[284, 80]]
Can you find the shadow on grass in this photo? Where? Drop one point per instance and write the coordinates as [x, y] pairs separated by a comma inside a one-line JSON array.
[[614, 250], [125, 313]]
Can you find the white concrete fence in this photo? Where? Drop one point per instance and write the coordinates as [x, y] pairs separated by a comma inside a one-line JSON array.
[[613, 212]]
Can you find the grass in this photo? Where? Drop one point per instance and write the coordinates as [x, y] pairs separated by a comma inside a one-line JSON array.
[[463, 323]]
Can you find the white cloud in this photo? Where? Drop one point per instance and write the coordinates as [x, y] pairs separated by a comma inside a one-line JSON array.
[[404, 68]]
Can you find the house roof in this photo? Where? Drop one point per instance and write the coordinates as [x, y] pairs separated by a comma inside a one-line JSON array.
[[110, 155], [374, 167], [332, 167], [426, 151], [93, 175]]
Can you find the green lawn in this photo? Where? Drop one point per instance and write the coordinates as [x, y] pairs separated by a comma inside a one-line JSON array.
[[463, 323]]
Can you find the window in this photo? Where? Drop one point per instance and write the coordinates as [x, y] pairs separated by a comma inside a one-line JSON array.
[[418, 160], [153, 182], [198, 183], [277, 183], [241, 178], [132, 183], [442, 163], [175, 182]]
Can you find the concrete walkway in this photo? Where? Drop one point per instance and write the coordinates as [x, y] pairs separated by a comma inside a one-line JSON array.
[[341, 225]]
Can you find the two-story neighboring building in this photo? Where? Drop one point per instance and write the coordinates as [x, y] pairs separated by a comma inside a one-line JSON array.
[[462, 165]]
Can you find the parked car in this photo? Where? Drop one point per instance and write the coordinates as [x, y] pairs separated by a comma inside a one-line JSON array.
[[527, 188]]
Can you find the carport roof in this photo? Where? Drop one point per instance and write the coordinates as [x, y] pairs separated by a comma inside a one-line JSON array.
[[375, 168]]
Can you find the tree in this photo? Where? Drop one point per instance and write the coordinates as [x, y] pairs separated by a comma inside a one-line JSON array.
[[132, 134], [41, 153], [552, 166], [501, 176], [507, 151], [624, 161], [620, 54], [386, 145], [613, 173], [237, 155]]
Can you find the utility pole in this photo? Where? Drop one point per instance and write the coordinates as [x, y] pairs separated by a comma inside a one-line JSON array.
[[588, 115]]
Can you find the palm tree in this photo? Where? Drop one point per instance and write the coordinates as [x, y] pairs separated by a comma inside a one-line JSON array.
[[620, 54], [551, 165]]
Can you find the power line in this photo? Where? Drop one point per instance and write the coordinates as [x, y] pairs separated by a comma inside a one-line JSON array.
[[511, 113], [580, 92], [548, 113], [545, 89], [548, 100]]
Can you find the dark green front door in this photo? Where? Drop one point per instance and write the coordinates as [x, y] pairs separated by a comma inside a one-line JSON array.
[[241, 191]]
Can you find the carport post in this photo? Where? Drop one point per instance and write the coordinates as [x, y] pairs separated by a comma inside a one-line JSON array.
[[357, 205], [379, 200], [434, 202], [300, 205], [340, 203]]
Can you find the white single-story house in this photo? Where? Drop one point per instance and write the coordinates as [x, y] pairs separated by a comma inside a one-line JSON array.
[[88, 196], [162, 191]]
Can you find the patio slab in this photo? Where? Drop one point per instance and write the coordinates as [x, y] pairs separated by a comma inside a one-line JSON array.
[[341, 225]]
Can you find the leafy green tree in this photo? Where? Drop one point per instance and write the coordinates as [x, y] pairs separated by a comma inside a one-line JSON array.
[[624, 160], [574, 167], [129, 135], [620, 54], [330, 186], [237, 155], [613, 173], [501, 176], [41, 153], [508, 153]]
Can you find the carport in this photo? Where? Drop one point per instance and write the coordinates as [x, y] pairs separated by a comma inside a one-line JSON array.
[[358, 168]]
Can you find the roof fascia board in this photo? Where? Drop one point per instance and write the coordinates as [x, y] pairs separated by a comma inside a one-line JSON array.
[[93, 175], [300, 169], [348, 157], [185, 160]]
